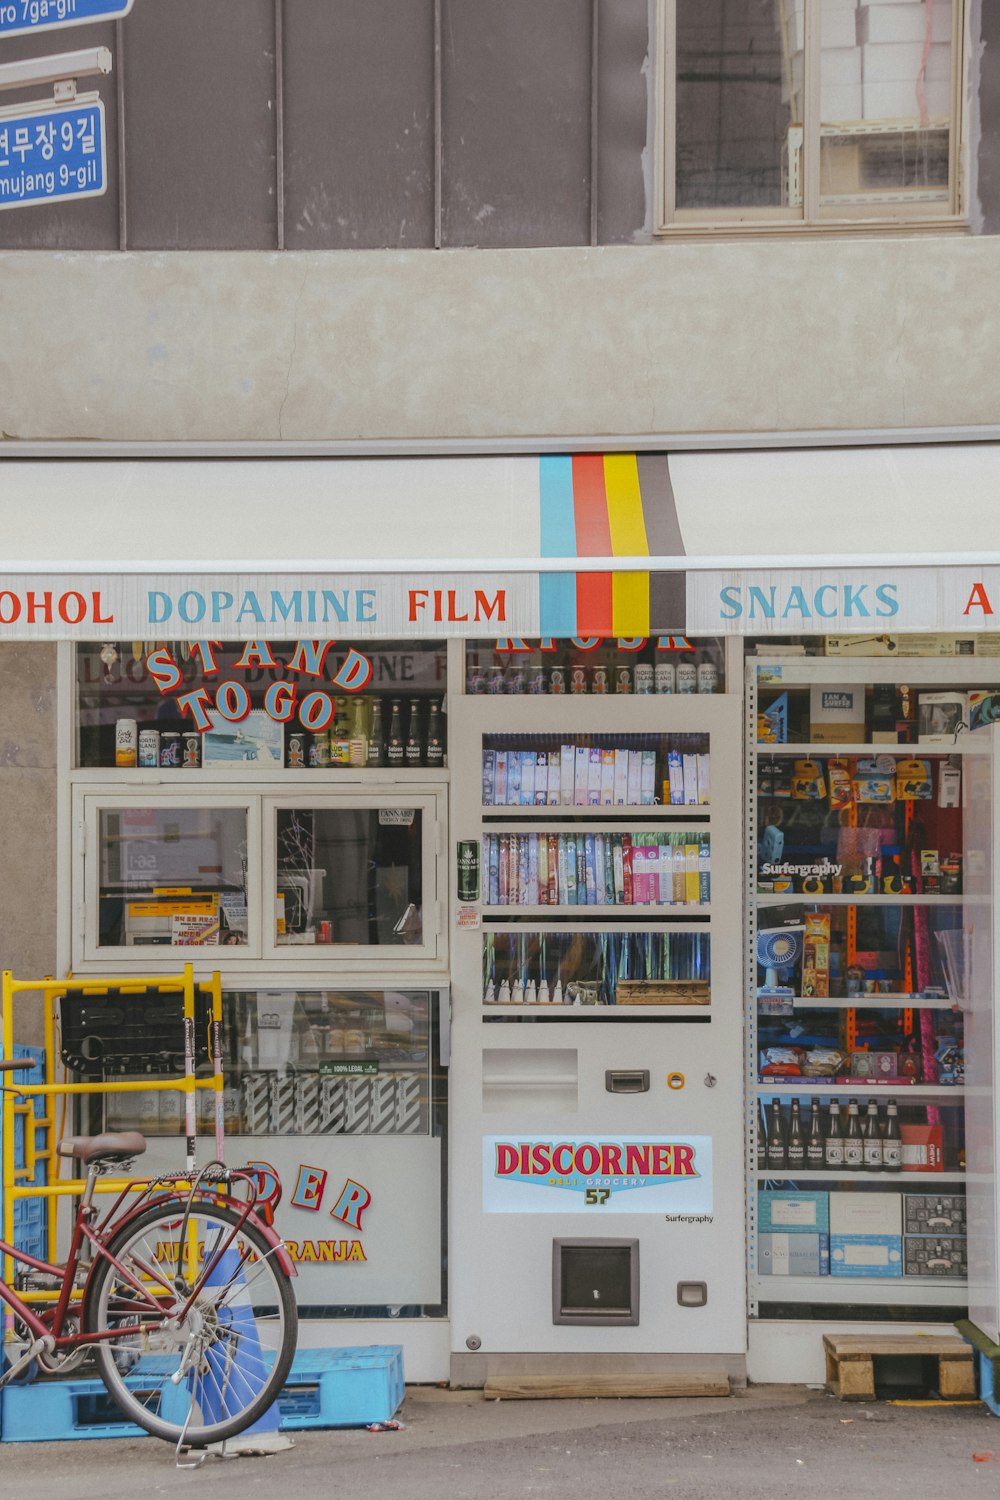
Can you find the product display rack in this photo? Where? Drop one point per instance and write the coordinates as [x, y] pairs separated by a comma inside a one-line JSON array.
[[790, 681]]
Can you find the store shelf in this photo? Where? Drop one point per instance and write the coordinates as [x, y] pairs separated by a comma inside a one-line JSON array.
[[695, 813], [960, 747], [866, 1002], [654, 913], [862, 1086], [795, 898], [908, 1291], [900, 1178], [512, 1012], [327, 778]]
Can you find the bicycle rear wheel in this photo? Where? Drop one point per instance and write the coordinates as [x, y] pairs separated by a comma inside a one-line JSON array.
[[214, 1369]]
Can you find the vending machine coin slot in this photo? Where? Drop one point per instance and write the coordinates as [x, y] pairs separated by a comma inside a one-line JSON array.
[[626, 1080]]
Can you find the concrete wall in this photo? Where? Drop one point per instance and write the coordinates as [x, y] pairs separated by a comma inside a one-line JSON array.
[[28, 800], [739, 336]]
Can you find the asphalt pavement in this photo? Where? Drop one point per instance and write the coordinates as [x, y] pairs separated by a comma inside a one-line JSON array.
[[770, 1441]]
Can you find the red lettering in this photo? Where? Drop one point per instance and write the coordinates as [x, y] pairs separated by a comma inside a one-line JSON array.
[[45, 606], [660, 1161], [79, 603], [14, 608], [587, 1159], [636, 1160], [486, 608], [562, 1159], [418, 600], [453, 606], [507, 1159], [541, 1159], [100, 619], [980, 599], [684, 1161], [611, 1160]]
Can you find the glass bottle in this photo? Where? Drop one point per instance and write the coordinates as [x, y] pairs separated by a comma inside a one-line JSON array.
[[796, 1140], [873, 1139], [833, 1146], [776, 1151], [892, 1146], [340, 735], [376, 736], [358, 733], [414, 754], [394, 748], [761, 1137], [814, 1146], [435, 738], [854, 1153]]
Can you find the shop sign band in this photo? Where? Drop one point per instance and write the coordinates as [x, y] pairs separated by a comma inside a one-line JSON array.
[[622, 1174]]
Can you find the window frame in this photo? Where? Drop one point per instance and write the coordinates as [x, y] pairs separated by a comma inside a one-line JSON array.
[[908, 215]]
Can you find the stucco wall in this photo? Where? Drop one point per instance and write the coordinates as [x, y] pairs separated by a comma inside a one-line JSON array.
[[681, 338]]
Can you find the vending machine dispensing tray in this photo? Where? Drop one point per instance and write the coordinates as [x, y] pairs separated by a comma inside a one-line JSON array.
[[664, 992], [121, 1031]]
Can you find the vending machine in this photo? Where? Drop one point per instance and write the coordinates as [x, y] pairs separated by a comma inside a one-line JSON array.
[[597, 1160]]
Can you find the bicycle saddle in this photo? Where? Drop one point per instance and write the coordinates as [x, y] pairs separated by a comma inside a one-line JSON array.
[[107, 1147]]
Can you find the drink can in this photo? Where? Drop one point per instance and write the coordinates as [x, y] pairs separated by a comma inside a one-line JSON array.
[[664, 677], [538, 680], [578, 679], [708, 677], [477, 680], [557, 680], [149, 747], [687, 677], [296, 750], [599, 680], [324, 932], [170, 748], [319, 749], [468, 870], [494, 679], [643, 678], [126, 741], [191, 757], [623, 679], [515, 677]]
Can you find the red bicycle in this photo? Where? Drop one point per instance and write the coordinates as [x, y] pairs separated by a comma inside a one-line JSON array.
[[180, 1291]]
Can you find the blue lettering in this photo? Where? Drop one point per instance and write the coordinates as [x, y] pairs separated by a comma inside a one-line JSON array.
[[731, 607], [768, 606], [824, 588], [882, 594], [160, 607], [221, 602], [249, 605], [853, 602], [191, 612], [796, 601], [289, 607], [364, 601], [337, 603]]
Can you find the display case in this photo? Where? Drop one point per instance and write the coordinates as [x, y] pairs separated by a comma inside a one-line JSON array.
[[346, 879], [855, 985], [341, 1092], [596, 890]]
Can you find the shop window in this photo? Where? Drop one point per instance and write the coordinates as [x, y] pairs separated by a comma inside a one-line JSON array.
[[777, 113]]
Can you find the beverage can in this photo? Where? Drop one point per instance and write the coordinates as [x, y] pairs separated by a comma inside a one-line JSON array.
[[468, 870], [708, 677], [170, 748], [687, 677], [664, 677], [191, 750], [578, 679], [599, 680], [538, 680], [494, 679], [319, 750], [557, 680], [324, 932], [476, 680], [623, 679], [296, 750], [149, 747], [126, 742], [516, 677], [643, 678]]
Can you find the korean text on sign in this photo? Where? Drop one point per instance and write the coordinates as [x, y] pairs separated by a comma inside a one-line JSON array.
[[52, 154]]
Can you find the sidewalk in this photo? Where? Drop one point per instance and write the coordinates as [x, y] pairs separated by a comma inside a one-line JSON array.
[[767, 1443]]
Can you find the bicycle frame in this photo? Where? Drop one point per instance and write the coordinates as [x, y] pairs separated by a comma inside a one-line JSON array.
[[89, 1245]]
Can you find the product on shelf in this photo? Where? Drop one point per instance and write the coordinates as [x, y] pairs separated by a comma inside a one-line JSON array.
[[844, 1144], [664, 664], [595, 771], [597, 869], [604, 968]]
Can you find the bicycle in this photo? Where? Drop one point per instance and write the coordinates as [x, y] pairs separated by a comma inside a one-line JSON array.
[[180, 1290]]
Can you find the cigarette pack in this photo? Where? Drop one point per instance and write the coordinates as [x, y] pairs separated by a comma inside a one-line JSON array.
[[590, 869], [704, 780], [690, 780], [567, 775], [647, 787], [594, 780], [543, 869], [513, 778], [528, 763], [582, 775], [704, 871], [532, 891], [489, 777], [500, 779], [621, 778], [675, 770], [633, 794], [692, 883], [541, 778], [607, 778]]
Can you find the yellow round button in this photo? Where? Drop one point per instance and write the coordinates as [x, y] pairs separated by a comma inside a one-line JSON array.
[[675, 1080]]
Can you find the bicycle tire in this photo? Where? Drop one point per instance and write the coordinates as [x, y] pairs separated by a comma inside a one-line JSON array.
[[234, 1347]]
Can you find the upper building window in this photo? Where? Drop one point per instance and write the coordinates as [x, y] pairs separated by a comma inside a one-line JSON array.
[[809, 112]]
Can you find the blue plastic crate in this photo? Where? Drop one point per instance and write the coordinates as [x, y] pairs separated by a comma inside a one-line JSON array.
[[30, 1214], [987, 1395], [325, 1388]]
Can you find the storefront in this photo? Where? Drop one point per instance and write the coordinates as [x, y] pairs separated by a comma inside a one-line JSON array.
[[374, 793]]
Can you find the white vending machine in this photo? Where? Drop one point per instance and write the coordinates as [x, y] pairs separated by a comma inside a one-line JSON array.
[[597, 1185]]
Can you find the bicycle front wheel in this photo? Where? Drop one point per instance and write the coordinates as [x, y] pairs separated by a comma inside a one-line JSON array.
[[211, 1356]]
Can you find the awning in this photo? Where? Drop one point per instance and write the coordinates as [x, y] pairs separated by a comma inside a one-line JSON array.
[[796, 541]]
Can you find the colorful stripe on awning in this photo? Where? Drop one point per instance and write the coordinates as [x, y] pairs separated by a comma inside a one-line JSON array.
[[608, 505]]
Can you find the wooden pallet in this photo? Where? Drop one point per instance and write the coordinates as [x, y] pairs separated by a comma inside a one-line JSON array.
[[587, 1387], [850, 1369]]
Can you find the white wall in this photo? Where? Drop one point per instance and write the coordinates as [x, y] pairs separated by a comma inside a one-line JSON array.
[[755, 336]]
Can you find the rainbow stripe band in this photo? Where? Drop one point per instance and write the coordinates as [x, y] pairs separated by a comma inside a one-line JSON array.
[[604, 505]]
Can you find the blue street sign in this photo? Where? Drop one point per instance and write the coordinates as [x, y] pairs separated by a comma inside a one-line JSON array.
[[17, 16], [52, 152]]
